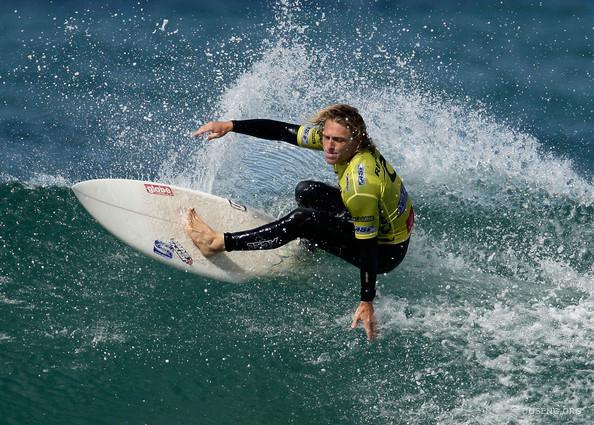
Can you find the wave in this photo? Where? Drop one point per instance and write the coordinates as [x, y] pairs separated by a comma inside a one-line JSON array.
[[489, 315], [486, 193]]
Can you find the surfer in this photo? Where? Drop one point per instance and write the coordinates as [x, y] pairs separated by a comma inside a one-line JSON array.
[[366, 221]]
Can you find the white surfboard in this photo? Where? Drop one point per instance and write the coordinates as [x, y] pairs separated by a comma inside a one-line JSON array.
[[150, 217]]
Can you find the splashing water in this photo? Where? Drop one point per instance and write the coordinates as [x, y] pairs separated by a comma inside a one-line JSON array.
[[489, 316]]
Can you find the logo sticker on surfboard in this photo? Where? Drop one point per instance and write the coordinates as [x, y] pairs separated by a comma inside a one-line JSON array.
[[158, 189], [163, 249], [166, 250]]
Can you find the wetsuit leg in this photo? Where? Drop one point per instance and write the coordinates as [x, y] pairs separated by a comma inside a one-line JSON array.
[[390, 256], [319, 196], [320, 227], [333, 234]]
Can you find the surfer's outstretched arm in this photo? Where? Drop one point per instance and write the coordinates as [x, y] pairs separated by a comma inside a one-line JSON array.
[[262, 129], [214, 129]]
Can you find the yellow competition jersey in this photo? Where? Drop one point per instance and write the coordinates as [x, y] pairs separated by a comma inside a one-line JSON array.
[[372, 192]]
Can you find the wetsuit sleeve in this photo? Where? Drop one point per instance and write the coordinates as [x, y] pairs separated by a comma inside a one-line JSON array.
[[267, 129], [368, 267]]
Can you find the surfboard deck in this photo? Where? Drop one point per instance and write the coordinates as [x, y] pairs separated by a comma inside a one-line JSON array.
[[150, 217]]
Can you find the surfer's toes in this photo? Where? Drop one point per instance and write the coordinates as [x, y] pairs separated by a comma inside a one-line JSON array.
[[189, 229], [203, 236], [190, 215]]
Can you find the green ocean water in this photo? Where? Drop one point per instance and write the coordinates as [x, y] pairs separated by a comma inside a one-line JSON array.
[[112, 338], [484, 110]]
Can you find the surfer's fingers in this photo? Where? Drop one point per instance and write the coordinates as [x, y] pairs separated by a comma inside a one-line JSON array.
[[203, 129], [214, 135], [215, 129], [370, 329], [198, 132]]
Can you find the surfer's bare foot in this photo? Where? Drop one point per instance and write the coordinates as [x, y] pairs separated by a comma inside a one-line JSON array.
[[208, 241]]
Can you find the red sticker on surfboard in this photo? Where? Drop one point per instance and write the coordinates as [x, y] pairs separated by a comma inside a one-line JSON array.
[[158, 189]]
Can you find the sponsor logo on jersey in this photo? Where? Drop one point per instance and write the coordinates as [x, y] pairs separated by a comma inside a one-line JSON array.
[[364, 218], [158, 189], [347, 183], [305, 136], [402, 202], [361, 174], [410, 221], [365, 230], [263, 244]]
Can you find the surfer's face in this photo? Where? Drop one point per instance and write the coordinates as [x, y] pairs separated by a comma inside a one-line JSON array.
[[339, 145]]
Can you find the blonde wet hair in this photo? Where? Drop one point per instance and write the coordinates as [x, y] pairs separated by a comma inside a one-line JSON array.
[[349, 117]]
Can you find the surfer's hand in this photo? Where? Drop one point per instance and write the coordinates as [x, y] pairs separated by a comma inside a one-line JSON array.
[[365, 314], [215, 129]]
